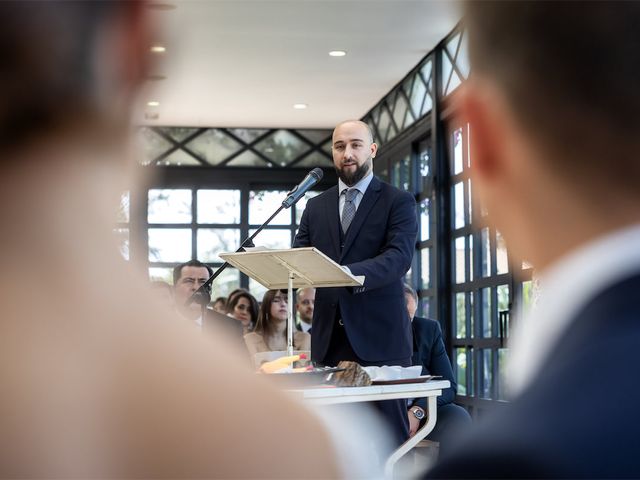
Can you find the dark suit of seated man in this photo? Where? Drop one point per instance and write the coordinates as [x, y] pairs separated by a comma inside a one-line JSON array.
[[429, 351]]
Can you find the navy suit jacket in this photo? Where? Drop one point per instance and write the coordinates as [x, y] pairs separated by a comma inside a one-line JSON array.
[[579, 418], [430, 352], [379, 245]]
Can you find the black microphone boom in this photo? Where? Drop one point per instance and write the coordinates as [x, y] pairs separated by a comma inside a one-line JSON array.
[[312, 178], [203, 294]]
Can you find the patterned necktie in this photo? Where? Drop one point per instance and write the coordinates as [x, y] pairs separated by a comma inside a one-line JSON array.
[[349, 210]]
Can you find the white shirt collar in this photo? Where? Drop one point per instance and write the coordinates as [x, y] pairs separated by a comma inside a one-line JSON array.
[[362, 185], [305, 326], [565, 287]]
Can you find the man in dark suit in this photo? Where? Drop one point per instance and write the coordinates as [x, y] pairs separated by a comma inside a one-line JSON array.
[[429, 352], [189, 277], [370, 228], [553, 103]]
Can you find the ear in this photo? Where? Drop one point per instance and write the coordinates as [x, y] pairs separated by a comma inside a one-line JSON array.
[[122, 58], [478, 106], [134, 49], [374, 150]]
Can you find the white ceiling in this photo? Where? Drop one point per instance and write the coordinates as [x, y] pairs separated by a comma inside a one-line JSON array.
[[244, 63]]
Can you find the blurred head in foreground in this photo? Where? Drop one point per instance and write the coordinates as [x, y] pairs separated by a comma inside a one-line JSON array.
[[67, 68], [553, 104], [93, 384]]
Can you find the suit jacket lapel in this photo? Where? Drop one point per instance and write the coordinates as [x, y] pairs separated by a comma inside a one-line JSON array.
[[331, 207], [367, 203]]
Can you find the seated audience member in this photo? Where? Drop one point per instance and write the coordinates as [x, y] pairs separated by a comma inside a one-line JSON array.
[[244, 308], [429, 351], [93, 384], [189, 277], [220, 305], [235, 292], [271, 330], [305, 298], [164, 294]]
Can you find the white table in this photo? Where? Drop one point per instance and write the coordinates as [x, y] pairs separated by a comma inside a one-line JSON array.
[[431, 389]]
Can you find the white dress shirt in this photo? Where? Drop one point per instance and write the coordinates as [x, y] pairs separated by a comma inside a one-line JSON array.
[[565, 288], [305, 327]]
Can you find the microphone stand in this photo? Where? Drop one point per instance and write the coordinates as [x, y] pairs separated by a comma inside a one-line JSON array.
[[202, 296]]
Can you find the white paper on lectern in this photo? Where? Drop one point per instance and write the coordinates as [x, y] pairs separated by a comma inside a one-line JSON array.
[[309, 265]]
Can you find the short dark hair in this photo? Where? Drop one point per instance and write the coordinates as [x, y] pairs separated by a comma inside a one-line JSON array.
[[43, 87], [570, 71], [222, 300], [177, 271], [253, 304]]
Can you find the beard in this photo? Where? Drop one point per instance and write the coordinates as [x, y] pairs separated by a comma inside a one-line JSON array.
[[349, 178]]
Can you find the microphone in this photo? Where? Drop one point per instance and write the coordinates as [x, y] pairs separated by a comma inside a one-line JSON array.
[[313, 177]]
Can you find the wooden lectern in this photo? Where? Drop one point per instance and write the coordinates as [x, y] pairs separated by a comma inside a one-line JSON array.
[[294, 267]]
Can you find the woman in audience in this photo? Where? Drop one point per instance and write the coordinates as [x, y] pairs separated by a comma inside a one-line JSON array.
[[271, 330], [243, 307]]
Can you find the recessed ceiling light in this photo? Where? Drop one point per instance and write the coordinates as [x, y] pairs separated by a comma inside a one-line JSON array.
[[337, 53], [157, 49], [153, 103], [300, 106]]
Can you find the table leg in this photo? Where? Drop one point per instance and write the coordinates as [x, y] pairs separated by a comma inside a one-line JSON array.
[[432, 409]]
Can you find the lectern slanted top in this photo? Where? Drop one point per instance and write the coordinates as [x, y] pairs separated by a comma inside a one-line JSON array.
[[294, 267], [309, 266]]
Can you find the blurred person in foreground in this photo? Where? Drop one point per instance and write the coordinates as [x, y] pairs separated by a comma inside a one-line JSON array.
[[553, 104], [164, 294], [305, 299], [429, 352], [93, 385]]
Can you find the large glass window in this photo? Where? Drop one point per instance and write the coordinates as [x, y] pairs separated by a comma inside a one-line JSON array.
[[187, 223], [200, 223], [122, 228], [483, 287]]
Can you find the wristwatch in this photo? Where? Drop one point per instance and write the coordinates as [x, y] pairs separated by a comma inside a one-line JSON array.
[[418, 413]]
